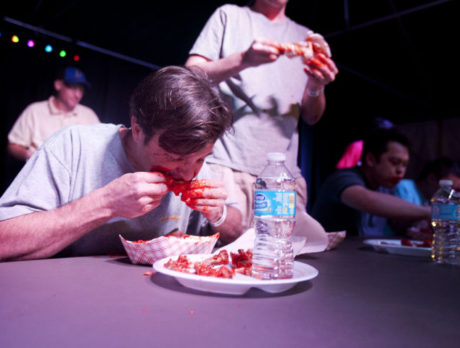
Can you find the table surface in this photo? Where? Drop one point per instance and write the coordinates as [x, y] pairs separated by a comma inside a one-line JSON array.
[[361, 298]]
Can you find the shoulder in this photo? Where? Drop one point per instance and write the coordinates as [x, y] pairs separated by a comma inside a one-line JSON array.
[[230, 8], [86, 135], [76, 143], [37, 106], [228, 11], [406, 184], [342, 179], [407, 189], [353, 175]]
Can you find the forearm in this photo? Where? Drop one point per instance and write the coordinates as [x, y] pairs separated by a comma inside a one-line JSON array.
[[20, 152], [313, 106], [43, 234], [231, 228], [397, 208], [219, 70], [321, 71], [385, 205]]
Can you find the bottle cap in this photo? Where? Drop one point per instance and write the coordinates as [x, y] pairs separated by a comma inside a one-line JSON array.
[[445, 182], [276, 156]]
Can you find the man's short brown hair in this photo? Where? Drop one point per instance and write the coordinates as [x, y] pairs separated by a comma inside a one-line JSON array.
[[181, 103]]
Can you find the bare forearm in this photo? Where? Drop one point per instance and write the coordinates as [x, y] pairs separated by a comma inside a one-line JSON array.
[[313, 107], [219, 70], [382, 204], [43, 234], [396, 208], [321, 71], [20, 152]]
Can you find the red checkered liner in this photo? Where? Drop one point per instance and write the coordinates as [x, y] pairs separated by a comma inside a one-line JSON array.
[[155, 249], [335, 238]]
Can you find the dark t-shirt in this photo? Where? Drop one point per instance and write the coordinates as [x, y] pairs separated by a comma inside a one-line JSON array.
[[334, 215]]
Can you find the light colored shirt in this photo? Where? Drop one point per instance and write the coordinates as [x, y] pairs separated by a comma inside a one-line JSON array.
[[78, 160], [42, 119], [265, 99], [407, 189]]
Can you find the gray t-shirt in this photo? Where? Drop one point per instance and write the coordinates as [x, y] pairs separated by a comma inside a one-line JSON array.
[[266, 99], [334, 215], [76, 161]]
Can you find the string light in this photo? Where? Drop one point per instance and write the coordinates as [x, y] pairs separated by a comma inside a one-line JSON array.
[[48, 48]]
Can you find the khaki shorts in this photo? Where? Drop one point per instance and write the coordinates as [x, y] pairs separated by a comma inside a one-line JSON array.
[[240, 188]]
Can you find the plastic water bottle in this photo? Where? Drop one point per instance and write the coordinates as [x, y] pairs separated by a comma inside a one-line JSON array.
[[445, 218], [274, 219], [456, 200]]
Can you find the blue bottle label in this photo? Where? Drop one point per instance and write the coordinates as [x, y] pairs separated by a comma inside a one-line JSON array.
[[445, 211], [274, 203]]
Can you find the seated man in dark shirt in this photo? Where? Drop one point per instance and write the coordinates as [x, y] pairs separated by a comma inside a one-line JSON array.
[[359, 200]]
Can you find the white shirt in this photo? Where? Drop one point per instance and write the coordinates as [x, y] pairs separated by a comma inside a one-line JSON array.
[[42, 119]]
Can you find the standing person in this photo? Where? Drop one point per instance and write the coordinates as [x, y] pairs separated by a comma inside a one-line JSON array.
[[88, 184], [267, 93], [41, 119], [360, 199]]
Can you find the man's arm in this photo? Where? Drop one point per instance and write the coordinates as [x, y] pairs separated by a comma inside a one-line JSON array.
[[321, 72], [260, 52], [20, 152], [231, 228], [382, 204], [209, 198], [43, 234]]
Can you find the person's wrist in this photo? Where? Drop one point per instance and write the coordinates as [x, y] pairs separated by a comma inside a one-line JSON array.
[[222, 218], [315, 92]]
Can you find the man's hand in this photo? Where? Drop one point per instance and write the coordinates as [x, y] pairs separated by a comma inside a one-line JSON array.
[[261, 51], [134, 194], [321, 70], [206, 196]]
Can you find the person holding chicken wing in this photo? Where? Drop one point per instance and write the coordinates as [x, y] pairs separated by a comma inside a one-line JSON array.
[[243, 50]]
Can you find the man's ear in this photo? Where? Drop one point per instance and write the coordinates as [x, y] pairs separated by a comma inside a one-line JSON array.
[[137, 132], [370, 159], [58, 84], [136, 129]]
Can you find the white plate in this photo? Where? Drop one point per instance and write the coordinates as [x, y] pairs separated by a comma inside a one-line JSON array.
[[393, 246], [240, 283]]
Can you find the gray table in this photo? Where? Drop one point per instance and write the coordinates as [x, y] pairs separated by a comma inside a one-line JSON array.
[[361, 298]]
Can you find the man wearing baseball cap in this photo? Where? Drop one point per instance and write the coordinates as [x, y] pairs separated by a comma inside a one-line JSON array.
[[41, 119]]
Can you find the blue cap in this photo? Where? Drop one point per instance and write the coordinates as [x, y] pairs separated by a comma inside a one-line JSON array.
[[74, 75]]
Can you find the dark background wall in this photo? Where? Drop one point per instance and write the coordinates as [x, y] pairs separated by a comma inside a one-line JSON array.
[[397, 60]]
